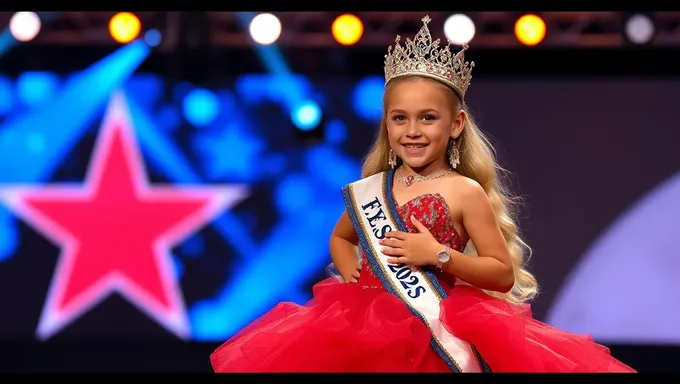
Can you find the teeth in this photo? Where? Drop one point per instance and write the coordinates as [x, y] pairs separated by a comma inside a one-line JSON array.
[[415, 146]]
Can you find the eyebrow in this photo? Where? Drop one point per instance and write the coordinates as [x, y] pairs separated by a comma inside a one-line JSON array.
[[419, 112]]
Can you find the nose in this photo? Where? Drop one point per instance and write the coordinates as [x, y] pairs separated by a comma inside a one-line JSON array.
[[413, 130]]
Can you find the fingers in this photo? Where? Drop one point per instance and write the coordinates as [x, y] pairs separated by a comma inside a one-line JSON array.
[[403, 261], [389, 251], [396, 235], [352, 278], [398, 260], [394, 243], [418, 225]]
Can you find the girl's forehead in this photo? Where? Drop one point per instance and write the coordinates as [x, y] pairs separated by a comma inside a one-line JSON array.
[[408, 93]]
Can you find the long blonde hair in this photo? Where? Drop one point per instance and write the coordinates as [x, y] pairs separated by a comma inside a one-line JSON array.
[[478, 162]]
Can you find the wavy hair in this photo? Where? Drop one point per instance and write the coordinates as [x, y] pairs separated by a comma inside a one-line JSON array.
[[478, 162]]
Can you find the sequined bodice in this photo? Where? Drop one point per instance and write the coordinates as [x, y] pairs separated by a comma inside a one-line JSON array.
[[433, 212]]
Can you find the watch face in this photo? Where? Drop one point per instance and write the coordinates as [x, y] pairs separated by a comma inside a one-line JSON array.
[[443, 257]]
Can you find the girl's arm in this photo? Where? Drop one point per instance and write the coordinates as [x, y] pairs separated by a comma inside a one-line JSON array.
[[492, 269], [343, 248]]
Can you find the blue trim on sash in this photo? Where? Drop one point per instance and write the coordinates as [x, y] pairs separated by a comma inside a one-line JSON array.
[[433, 280], [392, 206]]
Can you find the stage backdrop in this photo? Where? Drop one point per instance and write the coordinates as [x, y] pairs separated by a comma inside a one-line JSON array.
[[160, 209]]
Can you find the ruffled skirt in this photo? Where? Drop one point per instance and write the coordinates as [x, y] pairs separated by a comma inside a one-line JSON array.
[[351, 328]]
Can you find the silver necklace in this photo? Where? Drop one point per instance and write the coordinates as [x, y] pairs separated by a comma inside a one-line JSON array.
[[410, 179]]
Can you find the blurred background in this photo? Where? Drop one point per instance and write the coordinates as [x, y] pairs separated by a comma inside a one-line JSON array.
[[263, 118]]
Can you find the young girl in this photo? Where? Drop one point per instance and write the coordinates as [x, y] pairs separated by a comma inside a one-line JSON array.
[[415, 302]]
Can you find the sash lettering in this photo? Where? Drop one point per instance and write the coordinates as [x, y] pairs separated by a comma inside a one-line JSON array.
[[377, 219], [373, 213]]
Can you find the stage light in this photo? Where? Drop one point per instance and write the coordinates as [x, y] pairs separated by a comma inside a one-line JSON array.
[[152, 37], [7, 102], [306, 116], [200, 107], [459, 29], [24, 26], [36, 87], [639, 29], [347, 29], [530, 30], [367, 98], [335, 132], [265, 28], [124, 27]]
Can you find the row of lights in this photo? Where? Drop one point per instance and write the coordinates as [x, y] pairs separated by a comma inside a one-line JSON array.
[[123, 28], [529, 29], [347, 29]]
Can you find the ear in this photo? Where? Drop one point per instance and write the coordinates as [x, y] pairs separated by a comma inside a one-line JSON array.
[[458, 124]]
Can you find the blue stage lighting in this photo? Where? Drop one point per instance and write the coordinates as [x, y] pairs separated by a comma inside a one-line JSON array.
[[6, 95], [36, 87], [335, 132], [200, 107], [152, 37], [367, 98], [306, 116]]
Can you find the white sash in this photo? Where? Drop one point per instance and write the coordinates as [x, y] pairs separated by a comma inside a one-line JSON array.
[[373, 213]]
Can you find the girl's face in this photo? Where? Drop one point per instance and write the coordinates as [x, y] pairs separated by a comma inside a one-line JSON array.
[[420, 121]]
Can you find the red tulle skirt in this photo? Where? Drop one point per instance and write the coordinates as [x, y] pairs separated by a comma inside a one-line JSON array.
[[349, 328]]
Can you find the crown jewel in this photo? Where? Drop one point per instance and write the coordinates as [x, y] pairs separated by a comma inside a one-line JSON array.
[[423, 57]]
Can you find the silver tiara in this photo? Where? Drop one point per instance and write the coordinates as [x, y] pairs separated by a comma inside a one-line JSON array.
[[423, 57]]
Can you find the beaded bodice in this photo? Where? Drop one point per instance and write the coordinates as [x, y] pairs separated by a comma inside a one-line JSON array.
[[431, 210]]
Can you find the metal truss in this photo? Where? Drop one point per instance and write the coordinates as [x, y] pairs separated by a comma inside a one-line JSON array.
[[313, 29], [493, 29], [92, 28]]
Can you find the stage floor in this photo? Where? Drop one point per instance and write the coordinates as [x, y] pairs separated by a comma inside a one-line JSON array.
[[194, 357]]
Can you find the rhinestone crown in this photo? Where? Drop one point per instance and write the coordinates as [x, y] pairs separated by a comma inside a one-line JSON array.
[[423, 57]]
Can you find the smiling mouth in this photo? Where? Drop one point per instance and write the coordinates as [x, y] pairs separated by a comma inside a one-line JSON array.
[[414, 149]]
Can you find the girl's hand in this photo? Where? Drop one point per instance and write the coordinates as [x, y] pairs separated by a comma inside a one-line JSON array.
[[415, 249], [352, 277]]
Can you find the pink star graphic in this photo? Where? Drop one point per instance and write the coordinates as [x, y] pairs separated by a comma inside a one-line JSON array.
[[115, 230]]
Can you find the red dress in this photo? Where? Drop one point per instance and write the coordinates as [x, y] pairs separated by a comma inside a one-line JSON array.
[[363, 328]]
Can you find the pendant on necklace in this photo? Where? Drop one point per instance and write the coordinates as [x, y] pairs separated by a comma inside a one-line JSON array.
[[409, 180]]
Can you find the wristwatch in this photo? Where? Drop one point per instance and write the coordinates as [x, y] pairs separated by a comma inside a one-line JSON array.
[[443, 257]]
